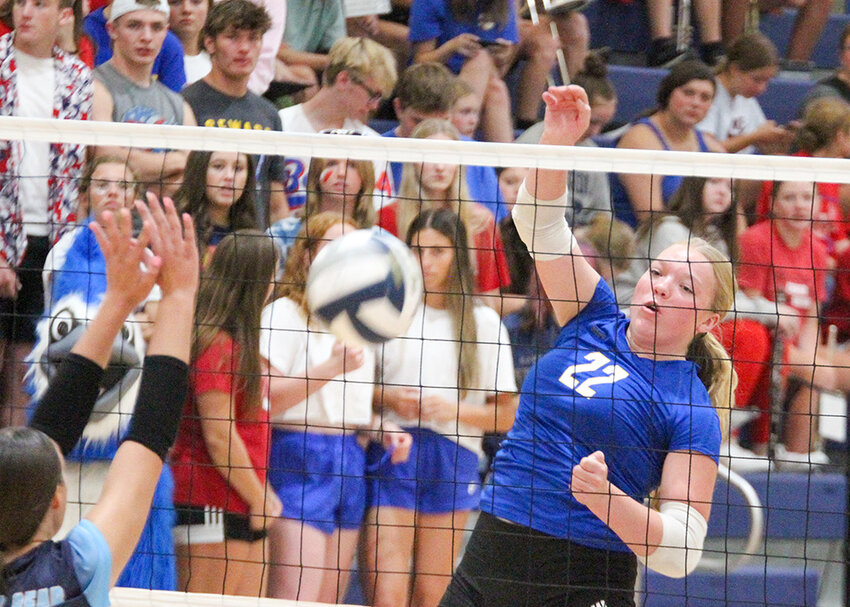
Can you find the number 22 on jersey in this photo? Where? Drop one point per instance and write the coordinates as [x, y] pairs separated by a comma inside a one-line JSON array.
[[596, 362]]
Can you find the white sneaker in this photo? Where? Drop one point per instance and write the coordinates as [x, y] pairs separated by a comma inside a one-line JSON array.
[[742, 460], [791, 461]]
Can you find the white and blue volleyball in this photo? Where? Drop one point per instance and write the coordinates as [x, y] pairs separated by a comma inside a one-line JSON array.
[[365, 287]]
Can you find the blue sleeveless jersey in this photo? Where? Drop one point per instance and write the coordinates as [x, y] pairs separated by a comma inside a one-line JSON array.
[[669, 183], [592, 393], [73, 573]]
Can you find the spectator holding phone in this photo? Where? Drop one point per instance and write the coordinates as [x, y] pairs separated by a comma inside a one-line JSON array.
[[476, 42], [735, 117]]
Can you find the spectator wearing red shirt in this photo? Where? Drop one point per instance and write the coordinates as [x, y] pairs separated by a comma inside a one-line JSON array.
[[437, 185], [781, 262], [221, 455], [824, 133]]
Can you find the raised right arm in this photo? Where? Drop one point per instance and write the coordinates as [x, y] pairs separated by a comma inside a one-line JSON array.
[[539, 213]]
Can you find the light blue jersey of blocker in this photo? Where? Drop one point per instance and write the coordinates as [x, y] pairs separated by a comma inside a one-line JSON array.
[[92, 562], [592, 393], [52, 574]]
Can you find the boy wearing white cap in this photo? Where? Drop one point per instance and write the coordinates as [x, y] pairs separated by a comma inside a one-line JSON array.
[[125, 90]]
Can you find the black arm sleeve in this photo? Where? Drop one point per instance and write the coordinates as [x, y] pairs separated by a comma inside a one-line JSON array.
[[65, 407], [162, 395]]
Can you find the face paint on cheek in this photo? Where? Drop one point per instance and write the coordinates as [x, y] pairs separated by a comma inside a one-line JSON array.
[[326, 175]]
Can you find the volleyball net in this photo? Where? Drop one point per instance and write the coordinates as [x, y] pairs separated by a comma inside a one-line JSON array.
[[777, 531]]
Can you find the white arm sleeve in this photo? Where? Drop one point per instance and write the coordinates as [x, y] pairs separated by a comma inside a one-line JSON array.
[[681, 542], [542, 225]]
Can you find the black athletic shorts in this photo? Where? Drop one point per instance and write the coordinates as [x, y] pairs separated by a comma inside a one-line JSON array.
[[507, 565], [19, 316], [208, 522]]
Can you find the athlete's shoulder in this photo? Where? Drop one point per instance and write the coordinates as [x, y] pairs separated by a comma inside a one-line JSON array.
[[602, 308], [678, 383]]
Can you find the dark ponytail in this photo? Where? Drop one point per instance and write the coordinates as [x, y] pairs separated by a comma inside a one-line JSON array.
[[3, 585], [593, 78], [30, 472]]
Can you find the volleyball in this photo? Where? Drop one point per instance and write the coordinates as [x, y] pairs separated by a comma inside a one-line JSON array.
[[365, 287]]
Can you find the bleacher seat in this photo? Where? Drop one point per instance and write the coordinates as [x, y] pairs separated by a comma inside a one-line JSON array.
[[782, 99], [636, 89], [796, 506], [825, 56], [382, 125], [637, 86], [746, 587]]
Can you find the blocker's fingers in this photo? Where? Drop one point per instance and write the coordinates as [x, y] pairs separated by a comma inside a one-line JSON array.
[[144, 237], [156, 210], [152, 264], [171, 214], [154, 236], [108, 226], [100, 233], [124, 224], [190, 247]]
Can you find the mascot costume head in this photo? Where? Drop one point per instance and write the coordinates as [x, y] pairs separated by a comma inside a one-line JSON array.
[[75, 283]]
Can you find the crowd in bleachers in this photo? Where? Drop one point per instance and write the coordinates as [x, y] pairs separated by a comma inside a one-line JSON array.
[[394, 437]]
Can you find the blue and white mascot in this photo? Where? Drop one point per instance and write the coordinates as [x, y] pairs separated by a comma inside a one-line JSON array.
[[75, 281]]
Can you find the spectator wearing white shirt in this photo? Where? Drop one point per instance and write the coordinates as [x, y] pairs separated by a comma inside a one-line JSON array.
[[736, 118]]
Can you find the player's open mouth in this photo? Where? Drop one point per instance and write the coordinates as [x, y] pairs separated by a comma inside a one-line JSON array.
[[652, 307]]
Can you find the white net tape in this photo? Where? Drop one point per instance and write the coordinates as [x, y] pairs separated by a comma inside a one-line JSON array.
[[811, 548], [386, 149], [133, 597]]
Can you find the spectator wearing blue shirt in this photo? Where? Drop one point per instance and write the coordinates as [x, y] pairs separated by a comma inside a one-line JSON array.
[[427, 90], [477, 41]]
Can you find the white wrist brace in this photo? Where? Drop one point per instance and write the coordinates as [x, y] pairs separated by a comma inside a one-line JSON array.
[[542, 225], [681, 541]]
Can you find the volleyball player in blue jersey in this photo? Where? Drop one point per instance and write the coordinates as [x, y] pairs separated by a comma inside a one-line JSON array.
[[620, 408], [79, 570]]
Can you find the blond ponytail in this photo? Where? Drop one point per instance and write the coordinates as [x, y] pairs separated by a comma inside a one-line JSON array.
[[717, 374], [715, 364]]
